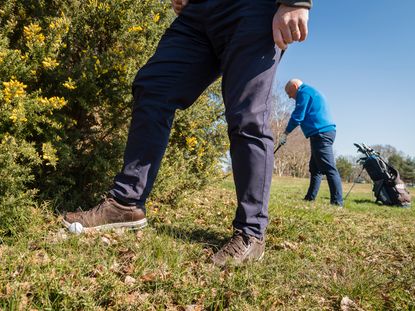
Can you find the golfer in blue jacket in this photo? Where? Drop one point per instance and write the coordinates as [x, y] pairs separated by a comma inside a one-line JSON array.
[[312, 115]]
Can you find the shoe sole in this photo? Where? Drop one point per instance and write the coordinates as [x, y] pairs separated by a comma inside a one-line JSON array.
[[133, 225], [232, 262], [261, 256]]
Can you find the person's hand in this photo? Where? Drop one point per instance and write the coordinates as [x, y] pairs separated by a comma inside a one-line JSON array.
[[283, 139], [289, 25], [178, 5]]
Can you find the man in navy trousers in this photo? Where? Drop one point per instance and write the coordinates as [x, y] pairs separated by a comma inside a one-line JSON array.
[[242, 41], [312, 114]]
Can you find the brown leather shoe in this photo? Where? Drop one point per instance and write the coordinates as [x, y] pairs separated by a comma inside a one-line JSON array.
[[107, 215], [239, 249]]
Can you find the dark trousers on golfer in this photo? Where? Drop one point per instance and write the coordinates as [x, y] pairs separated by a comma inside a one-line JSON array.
[[322, 163], [209, 39]]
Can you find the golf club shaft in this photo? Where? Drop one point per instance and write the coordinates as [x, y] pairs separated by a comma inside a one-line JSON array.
[[276, 149]]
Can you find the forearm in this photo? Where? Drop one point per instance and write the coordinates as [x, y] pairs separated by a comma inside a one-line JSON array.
[[297, 3], [292, 124]]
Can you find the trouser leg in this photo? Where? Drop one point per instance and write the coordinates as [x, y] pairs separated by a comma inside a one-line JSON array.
[[315, 180], [181, 68], [248, 59], [322, 148]]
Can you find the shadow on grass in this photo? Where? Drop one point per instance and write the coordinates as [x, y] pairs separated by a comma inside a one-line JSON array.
[[364, 201], [193, 235]]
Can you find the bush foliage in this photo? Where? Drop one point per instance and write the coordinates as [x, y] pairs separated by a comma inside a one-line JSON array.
[[345, 168], [66, 68]]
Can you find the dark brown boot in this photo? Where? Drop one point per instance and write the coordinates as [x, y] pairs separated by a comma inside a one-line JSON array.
[[107, 215]]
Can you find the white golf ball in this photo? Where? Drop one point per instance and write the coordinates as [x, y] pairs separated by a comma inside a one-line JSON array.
[[76, 228]]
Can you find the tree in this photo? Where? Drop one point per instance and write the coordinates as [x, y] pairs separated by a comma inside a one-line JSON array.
[[385, 151], [405, 167], [409, 175], [293, 158], [397, 161], [345, 168], [404, 164]]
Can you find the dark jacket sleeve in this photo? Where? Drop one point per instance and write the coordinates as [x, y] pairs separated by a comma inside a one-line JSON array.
[[303, 3]]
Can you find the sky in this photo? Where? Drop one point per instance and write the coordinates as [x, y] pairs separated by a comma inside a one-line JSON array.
[[361, 56]]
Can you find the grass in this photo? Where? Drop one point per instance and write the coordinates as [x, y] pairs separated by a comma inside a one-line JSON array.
[[316, 256]]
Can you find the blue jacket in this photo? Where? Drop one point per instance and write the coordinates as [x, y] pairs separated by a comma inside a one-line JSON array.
[[311, 113]]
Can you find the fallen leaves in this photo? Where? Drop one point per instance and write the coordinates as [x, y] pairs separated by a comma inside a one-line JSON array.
[[148, 277], [288, 245], [129, 280], [347, 304]]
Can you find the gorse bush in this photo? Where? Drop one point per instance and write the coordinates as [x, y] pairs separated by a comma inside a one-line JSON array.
[[66, 69], [197, 142]]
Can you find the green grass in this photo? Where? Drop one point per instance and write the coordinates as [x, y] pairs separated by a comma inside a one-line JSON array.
[[316, 255]]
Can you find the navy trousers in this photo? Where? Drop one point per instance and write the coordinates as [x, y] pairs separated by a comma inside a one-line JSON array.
[[322, 163], [227, 38]]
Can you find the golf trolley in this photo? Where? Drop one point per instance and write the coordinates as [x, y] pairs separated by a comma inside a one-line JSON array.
[[388, 187]]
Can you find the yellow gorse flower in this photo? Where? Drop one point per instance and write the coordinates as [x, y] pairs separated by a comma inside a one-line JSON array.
[[61, 22], [201, 152], [69, 84], [50, 63], [156, 18], [53, 102], [33, 33], [135, 29], [104, 7], [2, 56], [13, 89], [49, 154], [191, 142], [18, 114]]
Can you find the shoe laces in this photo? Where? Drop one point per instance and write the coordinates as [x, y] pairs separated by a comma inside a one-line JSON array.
[[237, 245], [98, 209]]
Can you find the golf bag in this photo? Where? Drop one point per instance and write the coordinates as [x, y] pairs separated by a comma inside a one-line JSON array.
[[387, 184]]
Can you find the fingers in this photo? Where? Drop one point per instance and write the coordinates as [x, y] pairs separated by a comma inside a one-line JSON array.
[[286, 34], [303, 30], [290, 25], [279, 39], [294, 31], [178, 5]]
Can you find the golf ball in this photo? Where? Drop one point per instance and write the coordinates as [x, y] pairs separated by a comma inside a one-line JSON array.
[[76, 228]]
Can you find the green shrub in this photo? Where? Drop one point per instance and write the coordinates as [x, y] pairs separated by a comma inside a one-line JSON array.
[[197, 142], [66, 69], [345, 168]]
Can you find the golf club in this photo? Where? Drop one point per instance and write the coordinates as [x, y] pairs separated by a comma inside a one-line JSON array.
[[276, 149]]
